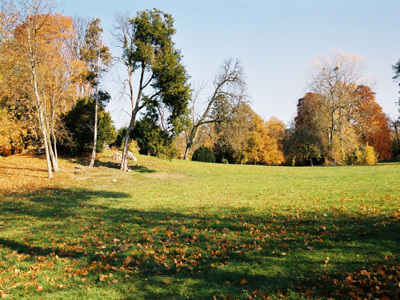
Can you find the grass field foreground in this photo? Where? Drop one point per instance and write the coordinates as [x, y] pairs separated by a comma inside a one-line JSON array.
[[188, 230]]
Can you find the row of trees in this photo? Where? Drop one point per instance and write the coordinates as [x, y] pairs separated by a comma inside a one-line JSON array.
[[337, 122], [51, 95]]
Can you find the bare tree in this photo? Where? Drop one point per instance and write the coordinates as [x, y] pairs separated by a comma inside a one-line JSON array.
[[229, 92]]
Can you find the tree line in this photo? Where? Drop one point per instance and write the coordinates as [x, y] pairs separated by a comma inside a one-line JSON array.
[[52, 97]]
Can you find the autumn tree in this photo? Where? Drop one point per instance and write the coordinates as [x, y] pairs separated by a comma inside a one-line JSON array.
[[230, 136], [150, 57], [34, 39], [98, 58], [334, 78], [264, 141], [370, 122], [226, 99], [309, 139]]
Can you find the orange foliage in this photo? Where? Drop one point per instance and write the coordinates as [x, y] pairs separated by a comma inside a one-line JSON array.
[[19, 173], [372, 124]]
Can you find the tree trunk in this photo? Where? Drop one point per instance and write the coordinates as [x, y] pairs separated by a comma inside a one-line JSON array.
[[51, 136], [124, 160], [92, 160], [189, 141], [94, 135], [42, 122], [395, 124]]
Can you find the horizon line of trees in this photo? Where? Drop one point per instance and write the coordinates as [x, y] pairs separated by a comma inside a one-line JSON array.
[[51, 97]]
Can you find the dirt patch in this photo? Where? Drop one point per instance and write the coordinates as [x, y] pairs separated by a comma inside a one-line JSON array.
[[165, 176]]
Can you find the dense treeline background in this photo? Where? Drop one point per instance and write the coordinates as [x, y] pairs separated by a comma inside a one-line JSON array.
[[51, 98]]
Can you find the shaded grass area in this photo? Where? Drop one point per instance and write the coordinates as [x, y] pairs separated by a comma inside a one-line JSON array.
[[213, 231]]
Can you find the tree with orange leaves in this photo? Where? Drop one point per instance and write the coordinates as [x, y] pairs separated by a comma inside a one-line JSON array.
[[371, 123], [37, 64]]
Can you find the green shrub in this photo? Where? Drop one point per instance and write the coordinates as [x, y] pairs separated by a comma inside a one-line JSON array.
[[153, 140], [79, 122], [204, 154]]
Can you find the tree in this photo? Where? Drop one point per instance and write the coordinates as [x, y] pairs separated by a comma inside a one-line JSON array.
[[230, 136], [263, 144], [22, 23], [334, 79], [371, 123], [204, 154], [98, 58], [396, 77], [309, 140], [229, 89], [153, 140], [79, 123], [149, 53]]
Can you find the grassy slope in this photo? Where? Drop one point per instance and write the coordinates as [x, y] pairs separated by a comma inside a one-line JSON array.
[[173, 230]]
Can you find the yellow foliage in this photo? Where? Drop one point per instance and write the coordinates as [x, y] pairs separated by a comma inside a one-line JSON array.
[[10, 135], [262, 146], [370, 155]]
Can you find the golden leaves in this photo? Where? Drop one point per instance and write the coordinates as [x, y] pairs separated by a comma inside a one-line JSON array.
[[22, 172]]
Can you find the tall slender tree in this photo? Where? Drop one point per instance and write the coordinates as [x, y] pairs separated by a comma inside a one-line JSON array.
[[99, 59]]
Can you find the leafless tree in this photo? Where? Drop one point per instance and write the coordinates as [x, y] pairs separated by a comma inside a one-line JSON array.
[[228, 94]]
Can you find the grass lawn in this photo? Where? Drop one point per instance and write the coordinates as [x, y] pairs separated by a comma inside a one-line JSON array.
[[188, 230]]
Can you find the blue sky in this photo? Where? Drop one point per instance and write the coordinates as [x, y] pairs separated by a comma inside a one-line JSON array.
[[274, 40]]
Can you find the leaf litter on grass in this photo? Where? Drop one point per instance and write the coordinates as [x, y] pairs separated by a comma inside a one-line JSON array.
[[90, 242]]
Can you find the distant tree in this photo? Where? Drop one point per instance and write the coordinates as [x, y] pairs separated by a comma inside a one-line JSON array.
[[308, 142], [396, 77], [149, 52], [153, 140], [227, 97], [396, 121], [263, 144], [119, 140], [204, 154], [334, 79], [230, 136], [79, 122], [371, 123]]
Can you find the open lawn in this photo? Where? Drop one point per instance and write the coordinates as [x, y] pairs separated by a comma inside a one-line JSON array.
[[187, 230]]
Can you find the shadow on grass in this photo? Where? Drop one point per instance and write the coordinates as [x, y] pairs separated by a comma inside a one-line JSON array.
[[116, 165], [174, 254], [38, 251]]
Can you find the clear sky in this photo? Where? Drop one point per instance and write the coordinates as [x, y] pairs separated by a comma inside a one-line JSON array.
[[274, 40]]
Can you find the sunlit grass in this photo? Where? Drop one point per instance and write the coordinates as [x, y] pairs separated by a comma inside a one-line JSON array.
[[177, 230]]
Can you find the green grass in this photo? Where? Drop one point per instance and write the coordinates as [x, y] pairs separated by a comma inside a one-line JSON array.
[[188, 230]]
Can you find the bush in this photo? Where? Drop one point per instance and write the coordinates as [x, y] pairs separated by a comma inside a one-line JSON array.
[[204, 154], [152, 140]]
